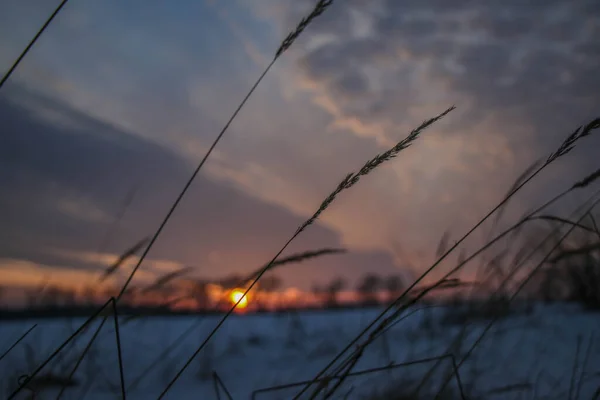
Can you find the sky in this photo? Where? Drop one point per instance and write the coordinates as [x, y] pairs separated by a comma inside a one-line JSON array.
[[121, 100]]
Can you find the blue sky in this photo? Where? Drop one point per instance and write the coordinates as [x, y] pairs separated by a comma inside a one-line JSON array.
[[118, 97]]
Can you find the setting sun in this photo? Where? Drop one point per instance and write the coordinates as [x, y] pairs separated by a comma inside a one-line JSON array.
[[238, 295]]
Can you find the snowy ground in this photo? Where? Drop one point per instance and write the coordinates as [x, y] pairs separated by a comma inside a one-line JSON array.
[[522, 357]]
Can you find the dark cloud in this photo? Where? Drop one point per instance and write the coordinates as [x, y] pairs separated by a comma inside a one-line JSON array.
[[408, 28], [217, 228], [488, 63], [503, 26], [44, 163], [352, 84], [433, 7], [523, 62], [522, 74], [321, 64]]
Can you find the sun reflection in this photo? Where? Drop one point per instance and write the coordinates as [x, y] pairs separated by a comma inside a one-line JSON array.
[[238, 295]]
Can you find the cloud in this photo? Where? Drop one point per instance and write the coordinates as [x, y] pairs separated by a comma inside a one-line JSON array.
[[521, 76], [219, 229], [24, 273], [102, 260], [491, 55], [138, 100], [82, 209]]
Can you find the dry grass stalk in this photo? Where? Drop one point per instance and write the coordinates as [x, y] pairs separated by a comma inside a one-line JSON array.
[[587, 353], [82, 356], [525, 281], [319, 9], [61, 347], [346, 367], [349, 181], [574, 370], [520, 179], [295, 258], [527, 253], [595, 225], [389, 320], [566, 146], [352, 178], [443, 244], [569, 143], [583, 250], [587, 180], [165, 279], [525, 258], [19, 340], [561, 220], [123, 258]]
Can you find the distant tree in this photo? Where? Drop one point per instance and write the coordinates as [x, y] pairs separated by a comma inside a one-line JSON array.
[[52, 296], [88, 295], [166, 293], [130, 296], [318, 292], [34, 297], [69, 297], [332, 291], [267, 286], [109, 291], [199, 292], [368, 288], [394, 285], [270, 283]]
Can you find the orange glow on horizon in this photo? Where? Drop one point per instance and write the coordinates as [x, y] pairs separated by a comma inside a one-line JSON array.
[[236, 296]]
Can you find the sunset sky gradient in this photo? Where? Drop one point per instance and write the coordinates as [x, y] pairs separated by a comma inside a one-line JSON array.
[[123, 98]]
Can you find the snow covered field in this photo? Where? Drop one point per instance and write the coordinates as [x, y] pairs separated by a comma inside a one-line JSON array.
[[551, 353]]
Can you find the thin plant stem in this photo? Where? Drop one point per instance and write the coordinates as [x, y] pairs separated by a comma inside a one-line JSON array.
[[420, 278], [28, 378], [119, 353], [319, 8], [349, 181], [16, 343], [82, 356], [566, 146], [574, 370], [584, 366], [190, 180], [509, 276], [39, 33], [517, 291]]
